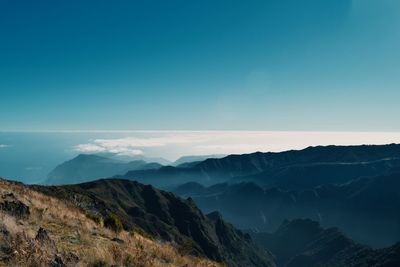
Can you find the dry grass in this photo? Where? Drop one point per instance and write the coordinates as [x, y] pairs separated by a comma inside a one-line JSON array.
[[72, 232]]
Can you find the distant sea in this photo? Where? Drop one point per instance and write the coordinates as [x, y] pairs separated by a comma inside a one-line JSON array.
[[29, 157]]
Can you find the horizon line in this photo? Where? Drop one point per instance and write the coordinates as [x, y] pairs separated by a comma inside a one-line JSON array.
[[192, 131]]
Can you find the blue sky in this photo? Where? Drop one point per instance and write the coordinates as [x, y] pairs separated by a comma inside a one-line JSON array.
[[314, 65]]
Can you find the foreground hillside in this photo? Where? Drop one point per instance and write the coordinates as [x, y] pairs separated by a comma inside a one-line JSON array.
[[39, 230], [164, 216]]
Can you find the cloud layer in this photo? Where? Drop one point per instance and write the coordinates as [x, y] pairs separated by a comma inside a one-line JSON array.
[[112, 146], [174, 144]]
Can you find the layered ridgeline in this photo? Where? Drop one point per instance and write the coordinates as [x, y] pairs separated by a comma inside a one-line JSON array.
[[128, 158], [366, 209], [187, 161], [123, 223], [87, 167], [90, 167], [163, 216], [296, 169], [304, 243], [40, 230]]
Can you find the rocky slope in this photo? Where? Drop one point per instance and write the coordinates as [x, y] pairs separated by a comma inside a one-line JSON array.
[[164, 216], [39, 230]]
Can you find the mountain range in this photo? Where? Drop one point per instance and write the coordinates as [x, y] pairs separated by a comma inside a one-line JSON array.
[[87, 167], [293, 169], [193, 159], [67, 226], [320, 206], [366, 209], [128, 158], [39, 230], [304, 243]]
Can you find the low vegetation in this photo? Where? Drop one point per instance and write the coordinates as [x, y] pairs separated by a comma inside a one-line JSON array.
[[38, 230], [113, 222]]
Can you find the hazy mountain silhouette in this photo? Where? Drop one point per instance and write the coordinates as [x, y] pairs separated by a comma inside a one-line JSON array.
[[295, 169], [303, 176], [304, 243], [191, 159], [86, 167], [366, 209], [164, 216], [129, 158]]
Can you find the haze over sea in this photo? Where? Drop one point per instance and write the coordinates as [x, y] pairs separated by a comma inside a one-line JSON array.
[[30, 156]]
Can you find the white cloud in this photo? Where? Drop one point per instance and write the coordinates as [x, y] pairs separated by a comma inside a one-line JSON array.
[[247, 142], [4, 146], [89, 148], [129, 145], [132, 152], [108, 146]]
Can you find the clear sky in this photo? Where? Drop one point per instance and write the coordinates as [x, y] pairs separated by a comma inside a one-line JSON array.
[[316, 65]]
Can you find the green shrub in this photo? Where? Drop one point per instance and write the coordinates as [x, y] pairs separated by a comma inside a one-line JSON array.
[[95, 217], [113, 222], [187, 247], [141, 232], [129, 261]]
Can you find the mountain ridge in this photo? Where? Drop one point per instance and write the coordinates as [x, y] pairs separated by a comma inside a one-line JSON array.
[[40, 230], [304, 243], [195, 158], [86, 167], [164, 216], [211, 171], [364, 208]]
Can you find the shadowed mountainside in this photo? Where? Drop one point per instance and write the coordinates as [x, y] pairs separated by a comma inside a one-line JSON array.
[[304, 243], [366, 209], [164, 216], [39, 230]]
